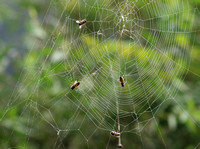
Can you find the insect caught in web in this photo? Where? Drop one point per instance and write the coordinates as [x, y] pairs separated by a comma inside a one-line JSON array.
[[117, 135], [75, 85], [81, 23], [121, 80]]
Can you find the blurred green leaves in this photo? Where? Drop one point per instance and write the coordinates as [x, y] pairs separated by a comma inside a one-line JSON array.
[[154, 57]]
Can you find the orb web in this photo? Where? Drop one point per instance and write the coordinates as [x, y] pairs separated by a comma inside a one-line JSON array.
[[143, 41]]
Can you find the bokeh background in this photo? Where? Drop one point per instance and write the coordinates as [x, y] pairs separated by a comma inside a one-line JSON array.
[[35, 102]]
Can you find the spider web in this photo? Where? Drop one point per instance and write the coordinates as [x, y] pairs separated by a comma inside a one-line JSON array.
[[145, 41]]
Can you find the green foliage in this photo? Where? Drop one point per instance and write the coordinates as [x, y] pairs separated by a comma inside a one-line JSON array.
[[36, 100]]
